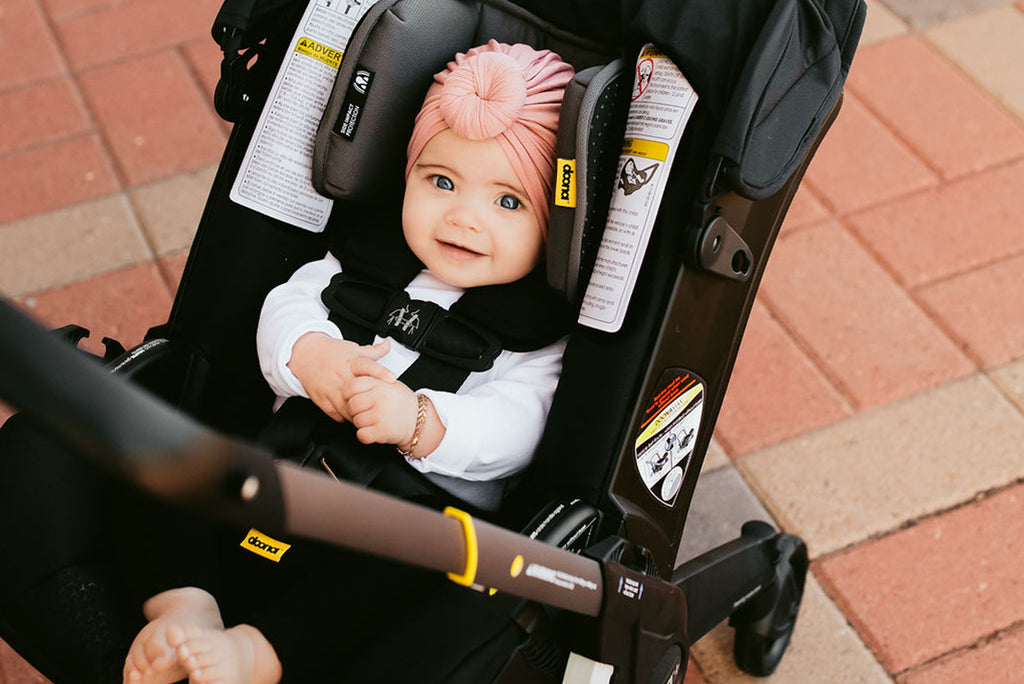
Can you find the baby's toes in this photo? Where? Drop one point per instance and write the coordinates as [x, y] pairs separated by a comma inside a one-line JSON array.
[[192, 644], [157, 655], [176, 636], [135, 665], [194, 637], [131, 674], [202, 664]]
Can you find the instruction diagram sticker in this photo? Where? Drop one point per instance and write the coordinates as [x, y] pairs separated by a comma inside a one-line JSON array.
[[662, 102], [276, 173], [668, 434]]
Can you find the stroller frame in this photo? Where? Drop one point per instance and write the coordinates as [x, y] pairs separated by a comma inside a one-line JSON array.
[[607, 541]]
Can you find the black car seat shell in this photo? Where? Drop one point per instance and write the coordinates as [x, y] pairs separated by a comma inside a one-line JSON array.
[[769, 74]]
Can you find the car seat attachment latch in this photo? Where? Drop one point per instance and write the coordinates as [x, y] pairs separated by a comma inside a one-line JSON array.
[[721, 250], [231, 96]]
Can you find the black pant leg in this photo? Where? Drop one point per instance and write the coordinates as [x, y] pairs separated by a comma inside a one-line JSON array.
[[84, 552]]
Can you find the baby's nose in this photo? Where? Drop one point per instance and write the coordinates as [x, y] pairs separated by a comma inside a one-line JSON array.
[[464, 216]]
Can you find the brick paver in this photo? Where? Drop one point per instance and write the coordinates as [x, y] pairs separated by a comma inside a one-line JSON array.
[[936, 233], [169, 210], [170, 131], [28, 49], [120, 30], [964, 585], [773, 364], [951, 122], [39, 113], [989, 46], [1010, 379], [144, 300], [862, 163], [876, 407], [981, 310], [924, 13], [69, 245], [864, 331], [824, 649], [888, 466], [996, 661], [882, 24], [48, 177]]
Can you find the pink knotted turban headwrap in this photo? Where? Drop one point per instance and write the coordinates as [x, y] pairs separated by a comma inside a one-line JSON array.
[[512, 93]]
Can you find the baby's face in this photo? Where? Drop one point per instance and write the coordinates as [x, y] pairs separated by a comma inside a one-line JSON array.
[[466, 215]]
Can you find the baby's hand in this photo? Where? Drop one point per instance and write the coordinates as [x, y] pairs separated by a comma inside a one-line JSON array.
[[383, 412], [327, 367]]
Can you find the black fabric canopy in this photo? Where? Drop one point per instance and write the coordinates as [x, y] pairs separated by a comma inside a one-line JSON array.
[[767, 70]]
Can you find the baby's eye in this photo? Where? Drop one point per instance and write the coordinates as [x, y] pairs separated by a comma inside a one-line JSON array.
[[509, 202], [443, 182]]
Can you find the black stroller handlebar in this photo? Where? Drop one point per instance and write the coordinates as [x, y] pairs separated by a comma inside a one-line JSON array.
[[126, 430], [141, 440], [472, 552]]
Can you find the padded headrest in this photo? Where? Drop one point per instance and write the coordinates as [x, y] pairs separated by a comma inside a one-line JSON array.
[[359, 152]]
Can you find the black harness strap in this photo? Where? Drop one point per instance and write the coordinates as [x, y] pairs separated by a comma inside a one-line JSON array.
[[451, 346]]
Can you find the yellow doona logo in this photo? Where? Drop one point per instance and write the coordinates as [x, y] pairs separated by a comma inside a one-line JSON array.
[[265, 546], [566, 195]]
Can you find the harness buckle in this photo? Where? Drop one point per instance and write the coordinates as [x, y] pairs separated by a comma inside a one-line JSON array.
[[422, 326]]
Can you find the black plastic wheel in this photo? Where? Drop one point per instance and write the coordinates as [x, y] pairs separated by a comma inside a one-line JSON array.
[[765, 625], [670, 668]]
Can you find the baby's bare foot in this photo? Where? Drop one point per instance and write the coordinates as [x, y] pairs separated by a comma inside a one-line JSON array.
[[151, 659], [240, 655]]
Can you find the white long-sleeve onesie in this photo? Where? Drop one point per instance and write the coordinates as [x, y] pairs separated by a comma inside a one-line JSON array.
[[492, 424]]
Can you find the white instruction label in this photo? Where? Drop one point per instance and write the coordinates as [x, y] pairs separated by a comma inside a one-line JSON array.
[[276, 174], [661, 106]]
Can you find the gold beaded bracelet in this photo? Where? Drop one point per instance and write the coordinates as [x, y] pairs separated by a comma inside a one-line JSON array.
[[421, 419]]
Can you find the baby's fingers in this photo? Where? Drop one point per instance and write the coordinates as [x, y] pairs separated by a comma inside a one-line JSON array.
[[375, 351], [330, 403], [371, 434], [366, 419], [363, 366], [362, 397]]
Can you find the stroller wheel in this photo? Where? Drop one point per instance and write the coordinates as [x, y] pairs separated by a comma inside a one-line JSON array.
[[765, 624]]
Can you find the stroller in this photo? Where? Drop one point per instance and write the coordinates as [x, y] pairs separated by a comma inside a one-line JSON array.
[[580, 553]]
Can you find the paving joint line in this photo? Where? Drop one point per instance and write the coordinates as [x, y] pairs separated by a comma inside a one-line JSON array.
[[890, 126], [198, 84], [982, 641], [44, 144], [977, 498], [846, 221], [1005, 393], [848, 617], [948, 277], [817, 360]]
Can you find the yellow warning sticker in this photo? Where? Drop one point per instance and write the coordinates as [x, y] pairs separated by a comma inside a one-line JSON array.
[[651, 51], [319, 51], [265, 546], [566, 195], [648, 149]]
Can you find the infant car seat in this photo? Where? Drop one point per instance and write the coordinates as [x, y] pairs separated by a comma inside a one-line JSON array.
[[602, 507]]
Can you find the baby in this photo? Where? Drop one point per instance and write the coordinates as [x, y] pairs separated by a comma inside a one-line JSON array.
[[475, 212]]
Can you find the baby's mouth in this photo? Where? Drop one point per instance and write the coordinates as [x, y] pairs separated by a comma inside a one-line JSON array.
[[459, 251]]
